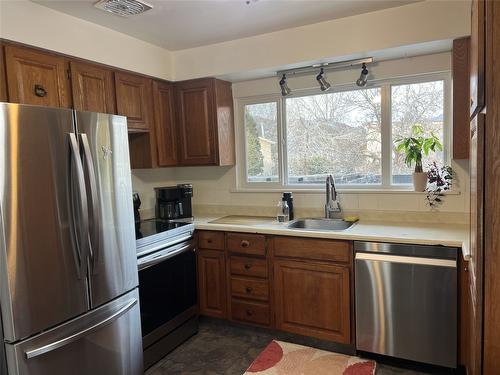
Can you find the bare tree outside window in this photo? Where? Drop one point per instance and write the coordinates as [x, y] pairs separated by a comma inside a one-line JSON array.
[[261, 138], [337, 133]]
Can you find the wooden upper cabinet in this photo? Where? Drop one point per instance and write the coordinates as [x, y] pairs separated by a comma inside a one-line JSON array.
[[35, 77], [166, 135], [3, 77], [134, 99], [313, 299], [461, 98], [93, 88], [477, 56], [205, 122]]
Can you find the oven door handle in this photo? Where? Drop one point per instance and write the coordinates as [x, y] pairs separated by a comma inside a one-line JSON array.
[[148, 262], [168, 244]]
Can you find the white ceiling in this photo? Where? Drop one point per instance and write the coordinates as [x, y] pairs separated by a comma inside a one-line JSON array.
[[180, 24]]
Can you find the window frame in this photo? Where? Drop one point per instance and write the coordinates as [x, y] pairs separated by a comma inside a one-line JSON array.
[[242, 183]]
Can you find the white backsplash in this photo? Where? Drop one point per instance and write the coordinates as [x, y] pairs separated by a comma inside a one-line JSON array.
[[214, 194]]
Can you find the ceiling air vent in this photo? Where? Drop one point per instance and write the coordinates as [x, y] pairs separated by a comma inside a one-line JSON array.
[[123, 8]]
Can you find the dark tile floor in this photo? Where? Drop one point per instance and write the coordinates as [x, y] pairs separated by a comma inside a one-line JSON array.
[[222, 348]]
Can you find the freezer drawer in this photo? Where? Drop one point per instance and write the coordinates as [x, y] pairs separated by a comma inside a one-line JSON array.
[[105, 341], [406, 306]]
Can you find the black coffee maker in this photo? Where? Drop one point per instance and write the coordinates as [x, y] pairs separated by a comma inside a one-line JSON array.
[[174, 202]]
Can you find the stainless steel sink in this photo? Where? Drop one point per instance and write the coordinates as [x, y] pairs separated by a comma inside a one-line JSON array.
[[320, 224]]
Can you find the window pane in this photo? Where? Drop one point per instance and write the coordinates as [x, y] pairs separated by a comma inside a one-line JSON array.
[[417, 103], [338, 134], [261, 136]]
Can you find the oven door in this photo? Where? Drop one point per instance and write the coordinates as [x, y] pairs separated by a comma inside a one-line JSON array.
[[167, 290]]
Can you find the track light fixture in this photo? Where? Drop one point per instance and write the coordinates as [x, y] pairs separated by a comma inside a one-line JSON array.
[[324, 67], [323, 83], [285, 90], [363, 77]]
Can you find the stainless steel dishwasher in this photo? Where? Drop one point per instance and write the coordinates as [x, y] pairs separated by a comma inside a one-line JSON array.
[[406, 301]]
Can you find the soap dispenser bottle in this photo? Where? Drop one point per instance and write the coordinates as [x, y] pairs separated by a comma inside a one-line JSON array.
[[283, 212]]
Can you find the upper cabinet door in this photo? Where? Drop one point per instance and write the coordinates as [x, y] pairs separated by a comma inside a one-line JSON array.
[[3, 77], [93, 88], [196, 122], [461, 97], [166, 136], [38, 78], [134, 100], [477, 57]]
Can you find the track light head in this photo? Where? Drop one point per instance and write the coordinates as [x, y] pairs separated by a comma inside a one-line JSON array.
[[323, 83], [285, 90], [363, 77]]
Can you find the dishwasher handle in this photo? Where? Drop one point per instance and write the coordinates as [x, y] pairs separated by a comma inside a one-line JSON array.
[[406, 260]]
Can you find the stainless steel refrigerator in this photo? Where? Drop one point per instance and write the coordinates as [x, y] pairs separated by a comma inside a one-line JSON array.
[[68, 266]]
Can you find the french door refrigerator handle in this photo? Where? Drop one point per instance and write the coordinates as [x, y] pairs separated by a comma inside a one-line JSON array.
[[82, 248], [85, 332], [95, 233]]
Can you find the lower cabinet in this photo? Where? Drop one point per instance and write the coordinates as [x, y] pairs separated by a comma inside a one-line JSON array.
[[313, 299], [212, 283], [293, 284]]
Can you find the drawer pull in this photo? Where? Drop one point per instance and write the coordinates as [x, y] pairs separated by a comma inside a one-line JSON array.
[[248, 289], [249, 312], [245, 243], [248, 266], [209, 240]]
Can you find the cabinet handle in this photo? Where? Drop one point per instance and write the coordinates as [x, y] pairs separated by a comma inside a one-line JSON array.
[[245, 243], [248, 266], [209, 240], [248, 289], [40, 91], [249, 312]]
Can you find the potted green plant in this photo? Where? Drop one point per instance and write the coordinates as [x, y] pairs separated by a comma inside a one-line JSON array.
[[414, 147]]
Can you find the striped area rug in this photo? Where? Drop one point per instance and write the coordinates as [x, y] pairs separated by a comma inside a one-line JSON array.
[[283, 358]]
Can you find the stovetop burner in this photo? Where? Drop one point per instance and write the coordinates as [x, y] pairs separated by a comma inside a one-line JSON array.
[[150, 227]]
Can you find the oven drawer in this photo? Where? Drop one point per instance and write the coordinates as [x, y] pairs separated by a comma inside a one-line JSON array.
[[211, 240], [249, 288], [252, 244], [253, 312], [249, 267]]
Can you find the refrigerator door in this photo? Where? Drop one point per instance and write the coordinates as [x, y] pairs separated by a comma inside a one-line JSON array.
[[113, 262], [104, 341], [42, 275]]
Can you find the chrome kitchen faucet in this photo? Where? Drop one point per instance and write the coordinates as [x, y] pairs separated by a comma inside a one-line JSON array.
[[332, 205]]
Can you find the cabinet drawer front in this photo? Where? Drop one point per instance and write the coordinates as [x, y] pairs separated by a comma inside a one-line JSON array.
[[211, 240], [254, 244], [249, 288], [249, 267], [253, 312], [331, 250]]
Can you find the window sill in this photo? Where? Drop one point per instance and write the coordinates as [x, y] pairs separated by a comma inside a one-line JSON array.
[[340, 191]]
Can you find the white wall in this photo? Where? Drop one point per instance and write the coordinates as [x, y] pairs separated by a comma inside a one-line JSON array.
[[358, 35], [30, 23], [215, 187]]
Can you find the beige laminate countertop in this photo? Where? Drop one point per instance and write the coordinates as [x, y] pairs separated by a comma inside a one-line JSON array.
[[456, 235]]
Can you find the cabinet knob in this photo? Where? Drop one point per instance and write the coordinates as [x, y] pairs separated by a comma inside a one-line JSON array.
[[245, 243], [249, 312], [40, 91], [248, 266], [209, 240], [248, 289]]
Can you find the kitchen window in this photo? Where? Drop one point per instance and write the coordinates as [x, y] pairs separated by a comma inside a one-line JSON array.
[[296, 141]]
